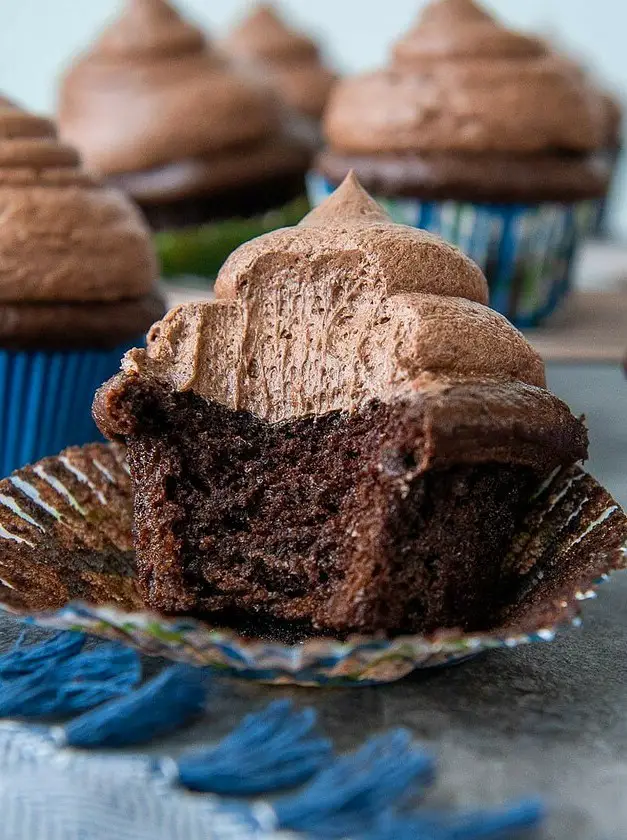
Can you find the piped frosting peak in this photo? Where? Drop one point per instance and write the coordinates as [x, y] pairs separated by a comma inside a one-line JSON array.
[[456, 29], [151, 91], [351, 228], [460, 81], [63, 237], [30, 152], [264, 34], [455, 11], [150, 26], [289, 59], [350, 204], [331, 314]]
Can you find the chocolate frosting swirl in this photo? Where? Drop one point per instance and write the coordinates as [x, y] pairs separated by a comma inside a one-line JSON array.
[[151, 91], [344, 308], [64, 237], [290, 60], [460, 81], [458, 29]]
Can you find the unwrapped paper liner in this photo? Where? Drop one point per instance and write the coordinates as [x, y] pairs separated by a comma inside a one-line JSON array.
[[46, 397], [526, 251], [66, 561]]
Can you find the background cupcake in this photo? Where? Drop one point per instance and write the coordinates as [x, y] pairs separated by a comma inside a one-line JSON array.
[[484, 136], [77, 288], [290, 61], [156, 111]]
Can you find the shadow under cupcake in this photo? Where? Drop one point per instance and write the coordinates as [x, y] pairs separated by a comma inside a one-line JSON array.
[[484, 136], [203, 151], [77, 288]]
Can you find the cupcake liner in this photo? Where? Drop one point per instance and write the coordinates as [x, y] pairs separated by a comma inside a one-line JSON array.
[[526, 251], [67, 562], [45, 400], [200, 251]]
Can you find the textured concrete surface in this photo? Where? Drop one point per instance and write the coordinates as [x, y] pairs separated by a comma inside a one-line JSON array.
[[548, 719]]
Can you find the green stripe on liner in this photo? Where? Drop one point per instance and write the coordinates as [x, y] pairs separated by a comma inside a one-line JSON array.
[[200, 251]]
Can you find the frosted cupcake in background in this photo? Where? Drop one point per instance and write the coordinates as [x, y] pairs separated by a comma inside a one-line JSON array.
[[290, 61], [77, 288], [202, 150], [484, 136]]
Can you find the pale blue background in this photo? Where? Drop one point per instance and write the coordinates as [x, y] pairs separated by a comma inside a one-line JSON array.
[[38, 37]]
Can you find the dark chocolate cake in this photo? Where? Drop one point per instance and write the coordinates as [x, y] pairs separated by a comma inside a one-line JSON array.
[[345, 440]]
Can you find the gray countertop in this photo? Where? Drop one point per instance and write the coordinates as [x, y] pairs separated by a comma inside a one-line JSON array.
[[548, 719]]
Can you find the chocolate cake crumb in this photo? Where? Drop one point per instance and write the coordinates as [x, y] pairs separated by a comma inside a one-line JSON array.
[[324, 521]]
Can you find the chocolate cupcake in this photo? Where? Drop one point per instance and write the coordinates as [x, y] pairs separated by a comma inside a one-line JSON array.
[[77, 288], [154, 109], [482, 135], [345, 440], [289, 60]]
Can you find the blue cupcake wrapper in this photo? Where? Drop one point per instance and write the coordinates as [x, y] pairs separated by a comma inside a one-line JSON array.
[[526, 251], [46, 398]]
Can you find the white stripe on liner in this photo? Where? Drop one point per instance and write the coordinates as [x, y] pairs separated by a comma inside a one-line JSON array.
[[12, 505], [59, 487], [605, 515]]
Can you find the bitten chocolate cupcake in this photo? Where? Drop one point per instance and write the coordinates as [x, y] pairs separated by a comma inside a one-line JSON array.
[[77, 288], [154, 109], [345, 440], [482, 135], [289, 60]]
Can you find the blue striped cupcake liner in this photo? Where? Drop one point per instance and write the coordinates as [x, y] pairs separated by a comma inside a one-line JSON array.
[[45, 400], [526, 251], [83, 499]]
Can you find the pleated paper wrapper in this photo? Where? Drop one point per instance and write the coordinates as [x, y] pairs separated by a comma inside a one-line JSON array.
[[67, 562]]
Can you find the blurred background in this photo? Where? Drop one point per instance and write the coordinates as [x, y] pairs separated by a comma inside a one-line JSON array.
[[38, 38]]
